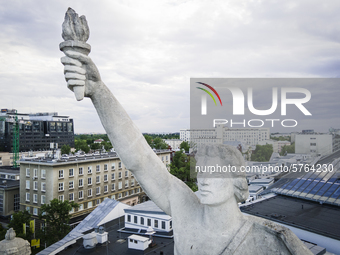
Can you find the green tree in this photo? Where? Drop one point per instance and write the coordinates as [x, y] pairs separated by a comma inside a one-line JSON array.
[[148, 139], [107, 145], [262, 153], [81, 145], [185, 146], [159, 144], [96, 146], [287, 149], [56, 216], [18, 220], [180, 167], [65, 149]]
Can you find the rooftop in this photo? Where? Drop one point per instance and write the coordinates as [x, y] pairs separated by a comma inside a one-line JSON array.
[[322, 219], [148, 206]]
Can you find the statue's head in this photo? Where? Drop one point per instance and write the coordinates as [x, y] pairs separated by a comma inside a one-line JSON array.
[[219, 176]]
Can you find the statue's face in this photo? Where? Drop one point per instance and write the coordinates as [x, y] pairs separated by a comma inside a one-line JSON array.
[[214, 188]]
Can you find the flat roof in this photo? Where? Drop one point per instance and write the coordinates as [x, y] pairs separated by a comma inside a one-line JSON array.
[[311, 216], [145, 207]]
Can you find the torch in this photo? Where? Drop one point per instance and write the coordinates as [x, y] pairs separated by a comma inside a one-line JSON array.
[[75, 33]]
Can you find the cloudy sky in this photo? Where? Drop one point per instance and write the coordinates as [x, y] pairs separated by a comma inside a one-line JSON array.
[[147, 51]]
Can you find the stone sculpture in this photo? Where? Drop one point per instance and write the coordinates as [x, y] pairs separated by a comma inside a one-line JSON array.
[[14, 245], [210, 223]]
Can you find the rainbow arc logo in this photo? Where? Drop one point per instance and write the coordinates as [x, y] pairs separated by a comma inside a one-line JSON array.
[[204, 99]]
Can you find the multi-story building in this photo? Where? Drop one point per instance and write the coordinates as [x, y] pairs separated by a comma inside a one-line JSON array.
[[36, 130], [173, 143], [9, 196], [314, 144], [86, 180], [220, 135], [184, 135]]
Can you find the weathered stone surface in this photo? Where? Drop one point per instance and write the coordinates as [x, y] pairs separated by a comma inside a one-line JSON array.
[[14, 245], [210, 223]]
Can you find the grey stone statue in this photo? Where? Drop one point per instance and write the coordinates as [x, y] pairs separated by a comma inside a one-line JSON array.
[[14, 245], [210, 223]]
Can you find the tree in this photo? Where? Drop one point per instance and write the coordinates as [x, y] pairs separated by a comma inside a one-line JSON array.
[[56, 215], [180, 167], [18, 220], [107, 145], [185, 146], [65, 149], [159, 144], [148, 139], [81, 145], [262, 153], [287, 149]]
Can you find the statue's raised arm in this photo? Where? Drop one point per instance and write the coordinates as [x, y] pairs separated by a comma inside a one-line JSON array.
[[83, 78]]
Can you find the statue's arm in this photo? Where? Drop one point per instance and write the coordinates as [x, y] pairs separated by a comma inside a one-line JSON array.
[[127, 140]]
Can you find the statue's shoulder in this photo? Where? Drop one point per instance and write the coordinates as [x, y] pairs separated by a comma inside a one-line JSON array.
[[276, 238]]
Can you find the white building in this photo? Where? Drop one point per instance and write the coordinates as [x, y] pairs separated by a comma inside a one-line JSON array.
[[184, 135], [145, 215], [277, 145], [174, 143], [315, 144], [262, 182], [220, 135], [254, 191], [138, 242]]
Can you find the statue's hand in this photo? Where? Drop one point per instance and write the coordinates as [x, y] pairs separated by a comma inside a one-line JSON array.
[[80, 70]]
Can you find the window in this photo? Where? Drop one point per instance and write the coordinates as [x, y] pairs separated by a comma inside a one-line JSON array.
[[81, 207], [27, 196], [43, 186], [156, 223], [105, 167], [35, 198], [312, 144], [61, 198], [61, 186], [120, 175], [89, 181], [71, 196], [97, 168], [112, 176], [138, 190], [81, 195], [71, 185], [27, 172], [113, 197], [105, 188], [71, 172], [89, 204], [126, 183], [35, 173], [28, 184], [149, 222], [81, 171], [35, 211], [43, 173], [120, 165], [89, 192], [105, 178], [28, 209], [142, 220], [120, 195], [132, 182], [166, 158], [126, 173], [163, 224], [113, 186], [135, 219], [98, 191], [43, 199], [129, 218], [113, 166], [119, 185], [98, 179], [98, 201], [170, 224], [132, 192], [16, 202], [61, 174], [81, 183], [89, 169], [35, 185], [126, 193]]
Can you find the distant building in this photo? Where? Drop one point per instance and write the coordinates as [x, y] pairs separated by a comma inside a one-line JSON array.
[[9, 197], [262, 182], [315, 144], [173, 143], [184, 135], [220, 134], [87, 180], [36, 130]]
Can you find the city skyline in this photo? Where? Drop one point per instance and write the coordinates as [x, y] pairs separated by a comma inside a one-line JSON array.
[[147, 52]]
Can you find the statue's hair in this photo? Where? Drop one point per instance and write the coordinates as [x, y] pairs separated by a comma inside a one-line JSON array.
[[229, 156]]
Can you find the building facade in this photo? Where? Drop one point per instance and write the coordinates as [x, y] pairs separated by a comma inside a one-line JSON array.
[[36, 131], [86, 180], [314, 144]]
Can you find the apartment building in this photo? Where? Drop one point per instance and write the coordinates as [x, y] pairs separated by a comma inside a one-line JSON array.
[[221, 134], [86, 180]]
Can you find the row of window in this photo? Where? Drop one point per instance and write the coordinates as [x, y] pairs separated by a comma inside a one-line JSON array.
[[89, 182], [35, 173], [148, 222], [35, 198], [35, 185]]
